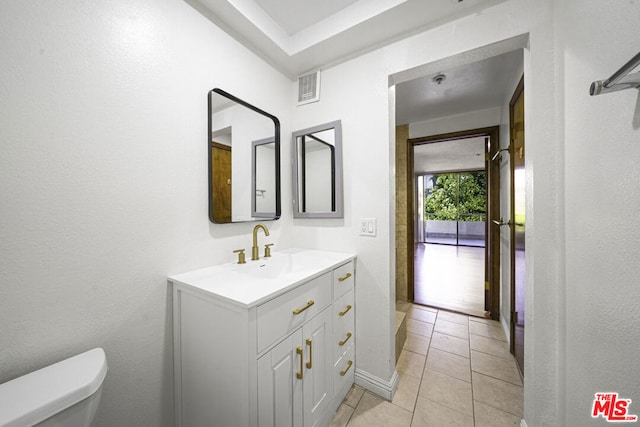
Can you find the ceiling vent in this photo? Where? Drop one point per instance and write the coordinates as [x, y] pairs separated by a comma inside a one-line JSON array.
[[309, 88]]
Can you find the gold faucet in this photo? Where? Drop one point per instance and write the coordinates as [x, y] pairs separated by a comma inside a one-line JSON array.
[[254, 248]]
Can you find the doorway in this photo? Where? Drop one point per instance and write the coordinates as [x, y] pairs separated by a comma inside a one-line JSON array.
[[453, 246]]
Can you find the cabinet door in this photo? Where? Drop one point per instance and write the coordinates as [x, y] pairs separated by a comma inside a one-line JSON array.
[[318, 377], [279, 384]]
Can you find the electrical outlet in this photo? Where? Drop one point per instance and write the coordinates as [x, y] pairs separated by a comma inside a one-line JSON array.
[[368, 227]]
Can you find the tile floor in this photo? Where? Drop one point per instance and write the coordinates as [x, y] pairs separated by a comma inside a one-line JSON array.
[[455, 370]]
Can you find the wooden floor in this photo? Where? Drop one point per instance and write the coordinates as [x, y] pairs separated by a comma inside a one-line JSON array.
[[450, 277]]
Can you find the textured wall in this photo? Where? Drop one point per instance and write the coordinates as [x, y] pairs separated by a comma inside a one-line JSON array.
[[103, 183], [358, 92], [601, 201]]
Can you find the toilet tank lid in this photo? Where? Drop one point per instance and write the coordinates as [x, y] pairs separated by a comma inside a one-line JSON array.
[[34, 397]]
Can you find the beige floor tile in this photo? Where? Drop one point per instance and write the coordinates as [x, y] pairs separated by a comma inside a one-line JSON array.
[[491, 330], [494, 366], [432, 414], [450, 344], [342, 416], [416, 343], [435, 368], [449, 364], [463, 319], [422, 315], [490, 346], [488, 416], [425, 308], [448, 391], [374, 411], [418, 327], [451, 328], [411, 363], [482, 320], [353, 396], [407, 392], [498, 394]]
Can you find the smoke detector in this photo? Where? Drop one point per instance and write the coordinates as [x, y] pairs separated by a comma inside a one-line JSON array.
[[439, 78]]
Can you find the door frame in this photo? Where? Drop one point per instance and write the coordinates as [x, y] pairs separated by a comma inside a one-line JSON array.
[[492, 246]]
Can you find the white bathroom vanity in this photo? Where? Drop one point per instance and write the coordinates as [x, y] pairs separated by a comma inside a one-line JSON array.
[[266, 343]]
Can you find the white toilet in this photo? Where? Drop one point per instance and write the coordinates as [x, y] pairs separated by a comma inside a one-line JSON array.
[[65, 394]]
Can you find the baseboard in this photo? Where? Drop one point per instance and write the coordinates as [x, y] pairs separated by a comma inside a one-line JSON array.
[[377, 385], [523, 423]]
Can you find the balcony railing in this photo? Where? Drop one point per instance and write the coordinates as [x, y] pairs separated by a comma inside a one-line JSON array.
[[467, 230]]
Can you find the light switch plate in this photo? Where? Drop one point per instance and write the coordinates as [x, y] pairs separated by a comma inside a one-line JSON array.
[[368, 227]]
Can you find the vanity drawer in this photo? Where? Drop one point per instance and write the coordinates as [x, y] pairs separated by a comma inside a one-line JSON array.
[[343, 371], [343, 278], [343, 324], [277, 317]]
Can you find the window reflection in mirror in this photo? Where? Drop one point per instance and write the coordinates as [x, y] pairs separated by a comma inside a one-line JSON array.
[[318, 172], [235, 127]]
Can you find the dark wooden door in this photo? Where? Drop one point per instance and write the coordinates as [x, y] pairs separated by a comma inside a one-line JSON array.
[[221, 182], [518, 225]]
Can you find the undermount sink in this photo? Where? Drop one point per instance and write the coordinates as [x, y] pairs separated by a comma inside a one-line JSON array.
[[256, 281], [276, 265]]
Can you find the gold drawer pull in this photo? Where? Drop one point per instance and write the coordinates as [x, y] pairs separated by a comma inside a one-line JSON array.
[[346, 310], [300, 310], [310, 362], [299, 353], [343, 373], [342, 279], [341, 343]]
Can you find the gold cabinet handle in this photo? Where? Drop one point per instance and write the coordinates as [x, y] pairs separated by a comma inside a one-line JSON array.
[[346, 310], [300, 310], [310, 362], [342, 279], [299, 353], [341, 343], [343, 373]]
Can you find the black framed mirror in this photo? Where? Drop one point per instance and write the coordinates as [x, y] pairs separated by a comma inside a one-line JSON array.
[[244, 160], [317, 183]]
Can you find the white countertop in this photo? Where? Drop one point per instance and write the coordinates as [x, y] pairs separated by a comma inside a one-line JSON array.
[[255, 282]]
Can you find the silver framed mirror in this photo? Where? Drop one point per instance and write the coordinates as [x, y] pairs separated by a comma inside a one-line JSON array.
[[244, 157], [317, 171]]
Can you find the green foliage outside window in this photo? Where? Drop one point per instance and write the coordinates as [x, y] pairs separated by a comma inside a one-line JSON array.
[[457, 197]]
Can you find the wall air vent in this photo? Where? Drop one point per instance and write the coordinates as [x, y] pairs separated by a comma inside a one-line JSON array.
[[309, 88]]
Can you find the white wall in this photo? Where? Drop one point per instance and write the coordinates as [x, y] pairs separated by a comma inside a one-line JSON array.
[[601, 200], [103, 188], [103, 183], [357, 92]]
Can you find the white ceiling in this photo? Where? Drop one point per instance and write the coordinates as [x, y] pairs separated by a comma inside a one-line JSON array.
[[296, 36], [456, 155], [470, 87]]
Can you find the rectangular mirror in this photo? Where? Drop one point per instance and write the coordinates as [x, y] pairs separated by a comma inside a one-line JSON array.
[[244, 161], [317, 183]]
